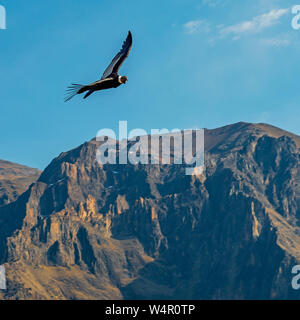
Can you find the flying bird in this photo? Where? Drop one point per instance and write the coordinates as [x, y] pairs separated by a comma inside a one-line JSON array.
[[110, 78]]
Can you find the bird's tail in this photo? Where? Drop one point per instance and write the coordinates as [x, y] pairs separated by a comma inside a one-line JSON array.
[[73, 90]]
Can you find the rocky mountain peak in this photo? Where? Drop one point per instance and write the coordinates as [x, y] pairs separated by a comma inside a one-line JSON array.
[[149, 231]]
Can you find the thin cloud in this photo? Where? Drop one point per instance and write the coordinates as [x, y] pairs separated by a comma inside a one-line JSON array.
[[211, 3], [276, 42], [196, 26], [255, 25]]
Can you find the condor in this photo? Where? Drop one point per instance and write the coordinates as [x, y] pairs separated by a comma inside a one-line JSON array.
[[110, 78]]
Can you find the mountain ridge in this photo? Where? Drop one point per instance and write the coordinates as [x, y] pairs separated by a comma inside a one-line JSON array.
[[14, 180]]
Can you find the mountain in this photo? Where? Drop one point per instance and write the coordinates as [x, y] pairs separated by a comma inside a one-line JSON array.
[[85, 231], [14, 180]]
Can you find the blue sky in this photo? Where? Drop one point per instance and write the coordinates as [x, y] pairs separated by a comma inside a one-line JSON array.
[[194, 63]]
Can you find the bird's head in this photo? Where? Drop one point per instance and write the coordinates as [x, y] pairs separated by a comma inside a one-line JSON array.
[[124, 79]]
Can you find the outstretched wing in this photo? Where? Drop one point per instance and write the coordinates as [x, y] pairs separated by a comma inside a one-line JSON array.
[[118, 60]]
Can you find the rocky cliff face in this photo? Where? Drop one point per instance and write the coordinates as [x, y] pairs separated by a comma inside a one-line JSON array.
[[14, 180], [85, 231]]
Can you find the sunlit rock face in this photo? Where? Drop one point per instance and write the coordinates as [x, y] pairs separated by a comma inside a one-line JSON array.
[[85, 231]]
